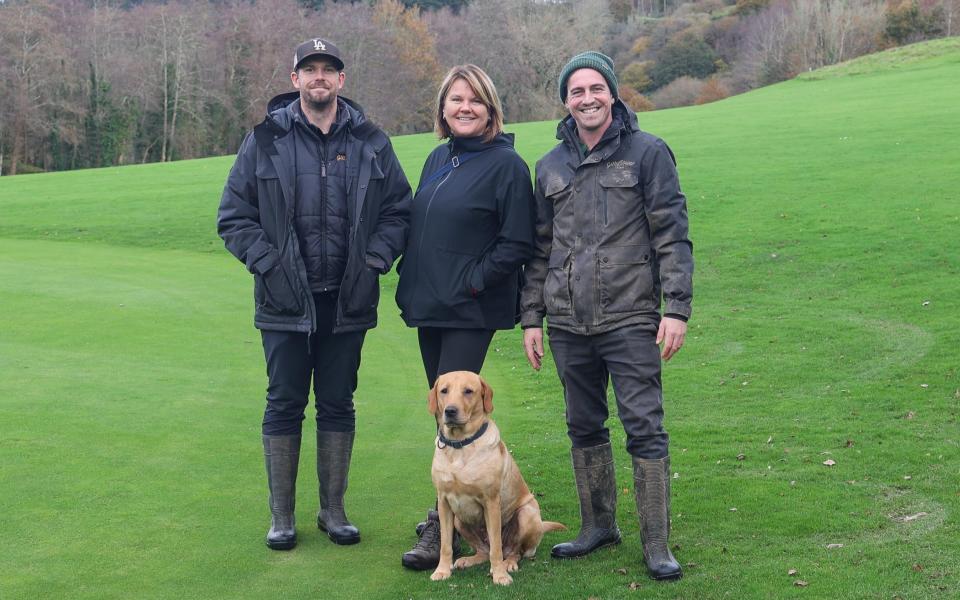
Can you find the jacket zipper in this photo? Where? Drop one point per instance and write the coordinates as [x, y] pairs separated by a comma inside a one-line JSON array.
[[321, 148]]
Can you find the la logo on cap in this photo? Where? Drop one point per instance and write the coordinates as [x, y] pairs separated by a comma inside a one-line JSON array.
[[319, 45]]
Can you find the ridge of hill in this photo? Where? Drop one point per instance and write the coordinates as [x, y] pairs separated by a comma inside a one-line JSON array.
[[913, 56]]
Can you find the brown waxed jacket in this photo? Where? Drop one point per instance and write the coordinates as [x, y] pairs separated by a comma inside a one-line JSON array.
[[611, 233]]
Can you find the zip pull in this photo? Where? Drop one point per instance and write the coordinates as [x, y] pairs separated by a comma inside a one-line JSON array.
[[323, 168], [456, 162]]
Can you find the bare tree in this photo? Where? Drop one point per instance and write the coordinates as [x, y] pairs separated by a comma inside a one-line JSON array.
[[30, 48]]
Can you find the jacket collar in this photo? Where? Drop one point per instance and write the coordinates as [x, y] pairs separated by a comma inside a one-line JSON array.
[[284, 109], [476, 144]]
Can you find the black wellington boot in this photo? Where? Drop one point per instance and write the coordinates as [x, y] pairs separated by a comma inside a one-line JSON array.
[[593, 471], [334, 449], [281, 454], [651, 480]]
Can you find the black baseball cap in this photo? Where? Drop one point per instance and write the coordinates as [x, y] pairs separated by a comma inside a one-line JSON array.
[[317, 47]]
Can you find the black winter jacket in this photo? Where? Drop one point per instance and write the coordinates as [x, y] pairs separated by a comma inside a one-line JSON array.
[[256, 217], [470, 233], [320, 215], [612, 233]]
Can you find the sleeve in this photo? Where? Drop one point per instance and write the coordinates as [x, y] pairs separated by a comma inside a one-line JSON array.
[[513, 245], [666, 208], [532, 307], [389, 236], [238, 219]]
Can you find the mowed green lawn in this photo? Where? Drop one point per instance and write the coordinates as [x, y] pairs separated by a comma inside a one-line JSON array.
[[825, 214]]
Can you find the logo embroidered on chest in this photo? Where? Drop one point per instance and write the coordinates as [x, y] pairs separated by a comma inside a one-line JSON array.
[[341, 156], [620, 164]]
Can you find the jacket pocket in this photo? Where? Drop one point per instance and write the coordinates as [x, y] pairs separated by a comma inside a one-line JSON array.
[[619, 199], [274, 293], [364, 294], [626, 279], [556, 286], [453, 273]]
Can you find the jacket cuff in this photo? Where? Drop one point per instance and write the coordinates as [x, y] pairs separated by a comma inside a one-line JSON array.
[[531, 320], [677, 309], [261, 258], [375, 262], [475, 280], [676, 316]]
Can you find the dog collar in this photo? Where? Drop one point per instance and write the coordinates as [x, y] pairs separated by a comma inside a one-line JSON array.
[[443, 442]]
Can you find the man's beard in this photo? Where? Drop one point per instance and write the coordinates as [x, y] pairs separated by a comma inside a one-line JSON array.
[[319, 105]]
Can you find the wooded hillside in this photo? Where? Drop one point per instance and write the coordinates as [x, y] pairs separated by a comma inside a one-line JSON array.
[[87, 83]]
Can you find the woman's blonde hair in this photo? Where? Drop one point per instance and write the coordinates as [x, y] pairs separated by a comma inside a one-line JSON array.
[[483, 88]]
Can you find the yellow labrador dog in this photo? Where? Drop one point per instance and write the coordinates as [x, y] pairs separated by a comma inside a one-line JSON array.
[[479, 488]]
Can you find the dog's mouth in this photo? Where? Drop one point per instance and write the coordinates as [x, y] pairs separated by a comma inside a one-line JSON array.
[[453, 423]]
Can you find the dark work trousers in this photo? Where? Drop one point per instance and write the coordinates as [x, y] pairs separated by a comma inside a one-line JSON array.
[[630, 357], [445, 349], [330, 360]]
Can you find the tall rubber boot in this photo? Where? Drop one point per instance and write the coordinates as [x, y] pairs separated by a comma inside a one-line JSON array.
[[651, 480], [281, 454], [334, 449], [593, 471]]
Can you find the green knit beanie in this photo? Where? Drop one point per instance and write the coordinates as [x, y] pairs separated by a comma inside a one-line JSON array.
[[597, 61]]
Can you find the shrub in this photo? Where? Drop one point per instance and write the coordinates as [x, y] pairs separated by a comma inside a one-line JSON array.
[[711, 91], [682, 91], [635, 100], [635, 75], [907, 22], [685, 55]]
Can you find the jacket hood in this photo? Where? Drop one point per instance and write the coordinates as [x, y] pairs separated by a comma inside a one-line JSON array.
[[281, 109], [622, 114]]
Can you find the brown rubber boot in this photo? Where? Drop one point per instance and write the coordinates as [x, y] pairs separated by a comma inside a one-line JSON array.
[[593, 470], [651, 480]]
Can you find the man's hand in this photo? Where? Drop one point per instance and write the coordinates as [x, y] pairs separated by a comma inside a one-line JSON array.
[[671, 333], [533, 344]]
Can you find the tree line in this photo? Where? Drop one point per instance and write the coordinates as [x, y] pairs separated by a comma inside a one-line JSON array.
[[90, 83]]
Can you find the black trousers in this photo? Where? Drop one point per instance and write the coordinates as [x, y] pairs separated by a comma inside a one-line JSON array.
[[630, 357], [445, 349], [330, 360]]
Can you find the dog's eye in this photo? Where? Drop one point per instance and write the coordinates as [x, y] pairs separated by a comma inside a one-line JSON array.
[[467, 391], [443, 390]]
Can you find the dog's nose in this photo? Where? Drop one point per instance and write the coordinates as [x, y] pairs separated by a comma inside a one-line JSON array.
[[450, 412]]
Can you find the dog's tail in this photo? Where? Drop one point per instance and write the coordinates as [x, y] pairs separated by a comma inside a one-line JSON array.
[[549, 526]]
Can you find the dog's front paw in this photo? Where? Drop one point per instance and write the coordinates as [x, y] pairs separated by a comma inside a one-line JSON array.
[[511, 565], [501, 577], [440, 574], [465, 562]]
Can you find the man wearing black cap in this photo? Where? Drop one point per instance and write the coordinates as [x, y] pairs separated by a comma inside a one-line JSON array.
[[316, 206], [611, 247]]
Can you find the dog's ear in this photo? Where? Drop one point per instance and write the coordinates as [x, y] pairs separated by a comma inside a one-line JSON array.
[[432, 400], [487, 396]]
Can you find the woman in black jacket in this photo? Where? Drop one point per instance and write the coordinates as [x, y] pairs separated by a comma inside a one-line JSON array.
[[471, 230]]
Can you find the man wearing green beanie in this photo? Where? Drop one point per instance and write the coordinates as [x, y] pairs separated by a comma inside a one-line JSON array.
[[612, 273]]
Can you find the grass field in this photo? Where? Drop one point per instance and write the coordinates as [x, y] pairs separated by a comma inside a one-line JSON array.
[[825, 214]]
